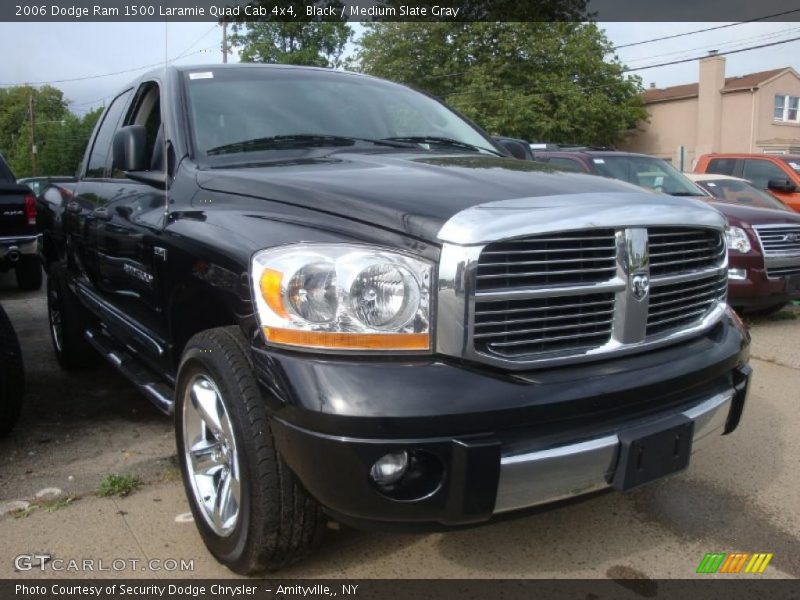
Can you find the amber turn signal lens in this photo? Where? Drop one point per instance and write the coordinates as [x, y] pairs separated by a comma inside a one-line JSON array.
[[349, 341], [270, 284]]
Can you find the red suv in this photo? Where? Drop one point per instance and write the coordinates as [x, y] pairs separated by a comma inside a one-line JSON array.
[[763, 244]]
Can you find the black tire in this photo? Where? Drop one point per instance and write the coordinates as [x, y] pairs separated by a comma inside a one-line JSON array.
[[278, 523], [68, 322], [29, 272], [12, 375]]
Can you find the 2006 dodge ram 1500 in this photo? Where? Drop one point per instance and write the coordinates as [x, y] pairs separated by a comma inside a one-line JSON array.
[[355, 304]]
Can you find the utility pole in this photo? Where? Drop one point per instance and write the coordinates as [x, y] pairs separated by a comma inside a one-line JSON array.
[[33, 134], [224, 42]]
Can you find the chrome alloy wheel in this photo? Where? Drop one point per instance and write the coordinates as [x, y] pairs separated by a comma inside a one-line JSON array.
[[210, 451], [54, 312]]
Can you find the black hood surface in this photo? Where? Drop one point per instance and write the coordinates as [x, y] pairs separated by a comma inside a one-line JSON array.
[[415, 193]]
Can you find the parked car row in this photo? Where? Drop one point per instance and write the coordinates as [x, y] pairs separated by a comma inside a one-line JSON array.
[[763, 233]]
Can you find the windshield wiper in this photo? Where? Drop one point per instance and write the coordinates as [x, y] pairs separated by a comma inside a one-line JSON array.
[[441, 141], [685, 194], [300, 140]]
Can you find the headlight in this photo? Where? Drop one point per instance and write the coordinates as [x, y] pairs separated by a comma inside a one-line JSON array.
[[737, 239], [345, 297]]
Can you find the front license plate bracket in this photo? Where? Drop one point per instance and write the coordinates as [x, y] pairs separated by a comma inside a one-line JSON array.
[[653, 451]]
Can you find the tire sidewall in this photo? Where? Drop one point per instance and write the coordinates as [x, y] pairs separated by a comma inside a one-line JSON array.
[[54, 284], [230, 548]]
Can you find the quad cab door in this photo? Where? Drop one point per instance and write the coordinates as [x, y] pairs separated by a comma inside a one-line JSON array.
[[123, 233]]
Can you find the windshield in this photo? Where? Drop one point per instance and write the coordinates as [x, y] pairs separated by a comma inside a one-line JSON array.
[[648, 172], [277, 110], [734, 191], [794, 163]]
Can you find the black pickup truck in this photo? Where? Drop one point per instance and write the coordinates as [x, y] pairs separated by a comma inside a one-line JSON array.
[[18, 232], [355, 304]]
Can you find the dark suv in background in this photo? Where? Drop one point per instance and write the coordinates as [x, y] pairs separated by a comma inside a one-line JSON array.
[[753, 233]]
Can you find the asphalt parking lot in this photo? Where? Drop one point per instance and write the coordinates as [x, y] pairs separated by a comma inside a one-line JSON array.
[[738, 495]]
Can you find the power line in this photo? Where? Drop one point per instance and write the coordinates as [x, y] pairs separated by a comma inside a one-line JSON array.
[[677, 35], [685, 60], [721, 46], [555, 86], [101, 75], [192, 45]]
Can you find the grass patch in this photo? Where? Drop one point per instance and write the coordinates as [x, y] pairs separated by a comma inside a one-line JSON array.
[[784, 315], [45, 505], [118, 485]]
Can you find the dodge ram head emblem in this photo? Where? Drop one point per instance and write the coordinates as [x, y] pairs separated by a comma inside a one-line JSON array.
[[640, 284]]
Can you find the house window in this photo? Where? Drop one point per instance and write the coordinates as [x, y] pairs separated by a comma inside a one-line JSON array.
[[787, 108]]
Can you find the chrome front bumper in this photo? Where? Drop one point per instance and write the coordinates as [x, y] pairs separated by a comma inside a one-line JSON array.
[[561, 472]]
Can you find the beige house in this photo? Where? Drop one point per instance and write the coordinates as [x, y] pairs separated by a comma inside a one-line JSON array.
[[758, 112]]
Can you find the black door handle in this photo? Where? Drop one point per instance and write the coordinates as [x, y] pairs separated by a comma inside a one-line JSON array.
[[73, 207], [102, 214]]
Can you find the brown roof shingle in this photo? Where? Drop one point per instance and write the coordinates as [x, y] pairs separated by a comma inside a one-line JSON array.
[[689, 90]]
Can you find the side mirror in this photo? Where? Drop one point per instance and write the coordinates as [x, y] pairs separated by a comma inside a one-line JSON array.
[[130, 148], [131, 156], [781, 185], [517, 148]]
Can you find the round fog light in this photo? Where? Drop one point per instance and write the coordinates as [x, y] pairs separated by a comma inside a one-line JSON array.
[[390, 468]]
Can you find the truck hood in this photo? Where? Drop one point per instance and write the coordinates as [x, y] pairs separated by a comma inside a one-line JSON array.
[[435, 197], [745, 216]]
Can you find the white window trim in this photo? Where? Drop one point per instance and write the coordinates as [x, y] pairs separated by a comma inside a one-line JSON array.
[[786, 102]]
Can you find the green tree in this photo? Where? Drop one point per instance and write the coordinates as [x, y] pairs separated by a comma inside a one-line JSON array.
[[319, 42], [48, 103], [541, 81], [60, 144]]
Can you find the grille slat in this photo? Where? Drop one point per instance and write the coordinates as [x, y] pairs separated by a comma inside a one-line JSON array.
[[533, 319], [543, 273], [576, 336], [782, 271], [684, 307], [545, 262], [550, 327], [688, 316], [675, 250]]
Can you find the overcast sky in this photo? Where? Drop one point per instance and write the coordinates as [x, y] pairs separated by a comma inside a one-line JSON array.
[[42, 52]]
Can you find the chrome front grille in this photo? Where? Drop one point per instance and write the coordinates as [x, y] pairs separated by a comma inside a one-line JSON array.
[[780, 245], [779, 240], [678, 249], [575, 294], [680, 304], [559, 259], [520, 327]]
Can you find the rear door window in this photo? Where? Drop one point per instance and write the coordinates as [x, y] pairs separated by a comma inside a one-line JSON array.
[[721, 166], [760, 171], [101, 149], [568, 164]]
